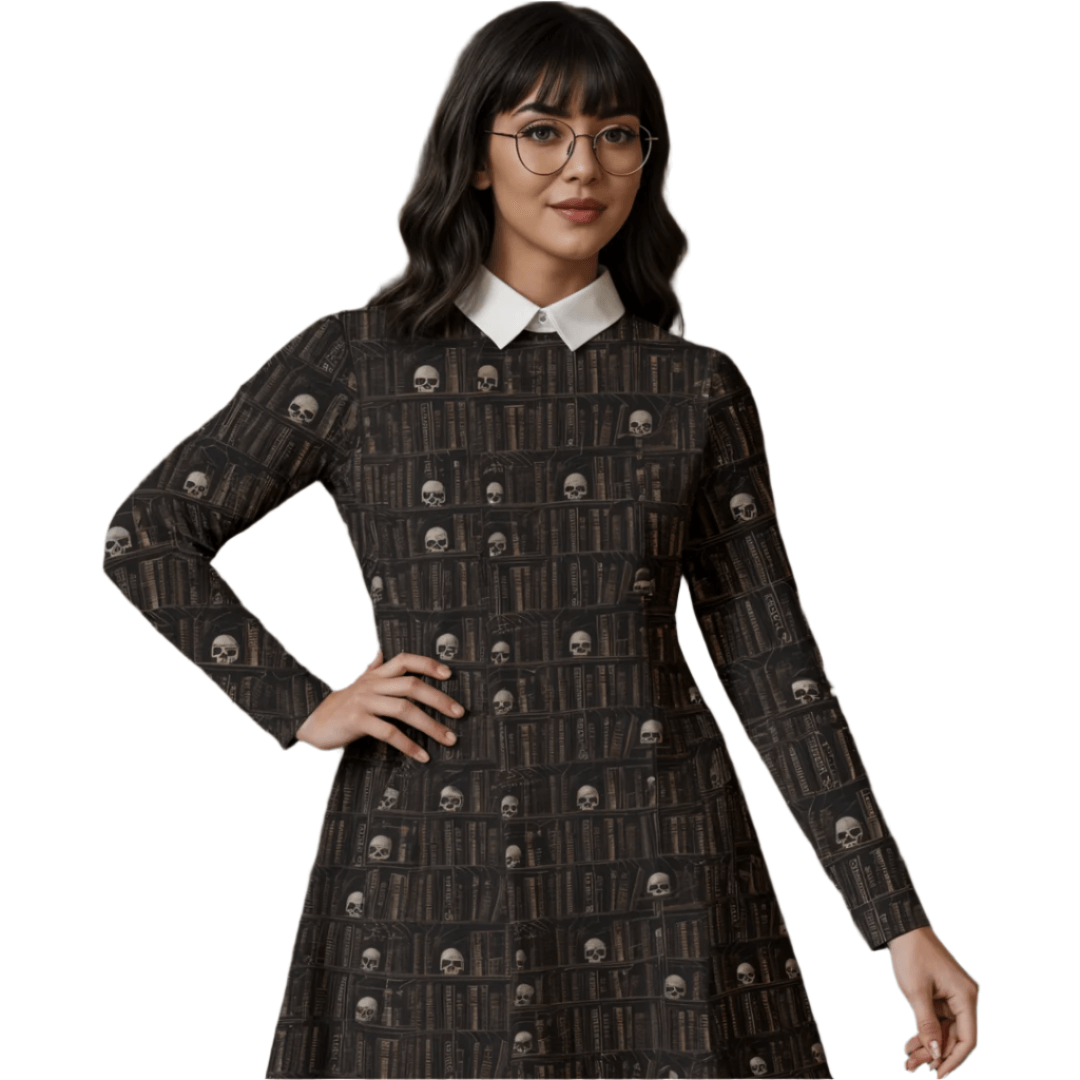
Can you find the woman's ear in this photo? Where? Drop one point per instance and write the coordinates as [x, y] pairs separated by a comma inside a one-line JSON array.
[[481, 179]]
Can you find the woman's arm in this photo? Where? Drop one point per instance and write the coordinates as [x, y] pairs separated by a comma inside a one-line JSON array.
[[286, 426], [747, 605]]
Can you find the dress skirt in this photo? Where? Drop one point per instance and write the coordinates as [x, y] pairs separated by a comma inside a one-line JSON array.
[[605, 914]]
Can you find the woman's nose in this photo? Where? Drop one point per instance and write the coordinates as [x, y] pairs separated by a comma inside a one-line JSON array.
[[583, 158]]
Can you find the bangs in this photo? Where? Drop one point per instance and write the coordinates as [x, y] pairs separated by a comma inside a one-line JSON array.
[[606, 78]]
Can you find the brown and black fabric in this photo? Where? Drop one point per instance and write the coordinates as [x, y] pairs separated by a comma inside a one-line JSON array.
[[576, 887]]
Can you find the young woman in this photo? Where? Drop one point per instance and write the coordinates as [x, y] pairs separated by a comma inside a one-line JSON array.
[[536, 857]]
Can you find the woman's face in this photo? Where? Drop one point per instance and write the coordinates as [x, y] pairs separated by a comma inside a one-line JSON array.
[[525, 219]]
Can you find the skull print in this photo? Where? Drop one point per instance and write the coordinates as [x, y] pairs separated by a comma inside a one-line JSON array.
[[303, 408], [117, 541], [225, 649]]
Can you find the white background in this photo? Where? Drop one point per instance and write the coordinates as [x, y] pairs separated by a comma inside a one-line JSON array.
[[882, 214]]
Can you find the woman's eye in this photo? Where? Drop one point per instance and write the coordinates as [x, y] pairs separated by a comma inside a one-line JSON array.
[[532, 132], [619, 136]]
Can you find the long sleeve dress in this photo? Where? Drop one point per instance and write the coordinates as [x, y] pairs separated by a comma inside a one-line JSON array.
[[575, 888]]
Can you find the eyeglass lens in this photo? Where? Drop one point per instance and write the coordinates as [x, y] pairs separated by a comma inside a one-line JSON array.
[[545, 145]]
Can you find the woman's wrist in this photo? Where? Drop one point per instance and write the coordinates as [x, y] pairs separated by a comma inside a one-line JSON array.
[[910, 937]]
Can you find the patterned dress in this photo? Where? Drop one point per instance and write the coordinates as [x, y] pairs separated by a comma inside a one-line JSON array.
[[575, 888]]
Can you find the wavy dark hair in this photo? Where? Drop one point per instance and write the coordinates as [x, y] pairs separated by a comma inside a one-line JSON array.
[[448, 225]]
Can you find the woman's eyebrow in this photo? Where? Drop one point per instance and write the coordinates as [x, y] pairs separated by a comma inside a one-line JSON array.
[[554, 110]]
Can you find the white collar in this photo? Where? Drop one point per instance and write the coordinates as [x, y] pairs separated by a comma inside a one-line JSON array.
[[502, 312]]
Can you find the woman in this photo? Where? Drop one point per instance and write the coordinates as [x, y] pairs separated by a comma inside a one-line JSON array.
[[536, 858]]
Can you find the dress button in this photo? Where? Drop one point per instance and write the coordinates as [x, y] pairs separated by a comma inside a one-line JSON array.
[[543, 316]]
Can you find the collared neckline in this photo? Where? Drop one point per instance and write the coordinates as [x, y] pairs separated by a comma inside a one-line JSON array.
[[502, 312]]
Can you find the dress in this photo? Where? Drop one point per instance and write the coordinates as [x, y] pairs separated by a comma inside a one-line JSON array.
[[575, 888]]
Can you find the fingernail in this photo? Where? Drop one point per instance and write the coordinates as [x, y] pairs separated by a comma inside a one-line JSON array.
[[934, 1049], [444, 670], [451, 737], [423, 755], [459, 709]]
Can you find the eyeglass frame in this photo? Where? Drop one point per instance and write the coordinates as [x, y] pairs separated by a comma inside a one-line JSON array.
[[573, 145]]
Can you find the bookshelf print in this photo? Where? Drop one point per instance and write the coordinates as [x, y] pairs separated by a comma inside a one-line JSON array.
[[575, 888]]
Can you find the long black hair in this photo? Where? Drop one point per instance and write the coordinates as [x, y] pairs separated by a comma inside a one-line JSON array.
[[448, 225]]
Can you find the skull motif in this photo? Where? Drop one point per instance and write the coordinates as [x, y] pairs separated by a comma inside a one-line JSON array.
[[354, 905], [524, 994], [659, 884], [435, 539], [117, 541], [497, 544], [509, 807], [818, 1052], [389, 798], [426, 379], [588, 798], [575, 486], [446, 646], [695, 695], [224, 649], [303, 408], [494, 492], [743, 507], [379, 848], [643, 582], [500, 652], [451, 962], [450, 798], [520, 959], [791, 969], [503, 702], [849, 832], [746, 974], [652, 731], [523, 1043], [640, 422], [196, 485], [376, 589], [487, 377], [433, 493], [805, 691], [513, 856], [595, 951], [675, 987], [369, 959], [581, 643], [758, 1066], [366, 1008]]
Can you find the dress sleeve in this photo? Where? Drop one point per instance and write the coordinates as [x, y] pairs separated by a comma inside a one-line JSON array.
[[746, 602], [285, 427]]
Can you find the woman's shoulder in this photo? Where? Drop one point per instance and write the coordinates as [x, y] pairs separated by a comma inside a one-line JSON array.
[[715, 371], [373, 323]]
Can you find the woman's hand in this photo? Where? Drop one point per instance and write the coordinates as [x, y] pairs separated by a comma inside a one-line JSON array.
[[943, 996], [383, 690]]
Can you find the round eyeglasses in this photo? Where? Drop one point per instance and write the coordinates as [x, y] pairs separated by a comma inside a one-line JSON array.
[[545, 146]]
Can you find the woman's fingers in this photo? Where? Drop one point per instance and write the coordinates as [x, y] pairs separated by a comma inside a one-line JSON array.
[[384, 730], [403, 709], [398, 671], [917, 1053], [963, 1005], [403, 662], [409, 686]]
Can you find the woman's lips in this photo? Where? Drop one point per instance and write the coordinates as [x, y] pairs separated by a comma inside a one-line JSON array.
[[580, 215]]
